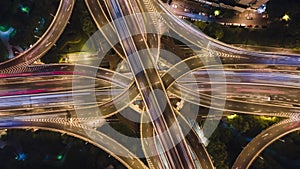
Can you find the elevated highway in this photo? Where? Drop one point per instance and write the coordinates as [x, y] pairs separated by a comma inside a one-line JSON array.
[[48, 39], [107, 77], [60, 123], [279, 76], [264, 139]]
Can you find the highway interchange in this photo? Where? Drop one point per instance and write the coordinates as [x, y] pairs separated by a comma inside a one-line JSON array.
[[245, 82]]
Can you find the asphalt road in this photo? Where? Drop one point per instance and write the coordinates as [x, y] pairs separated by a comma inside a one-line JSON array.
[[20, 62], [148, 80]]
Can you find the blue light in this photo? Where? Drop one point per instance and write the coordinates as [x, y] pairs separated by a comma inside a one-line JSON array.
[[262, 8], [40, 25], [43, 21], [21, 157]]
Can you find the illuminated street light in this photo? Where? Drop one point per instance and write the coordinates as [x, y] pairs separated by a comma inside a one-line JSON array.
[[25, 9], [217, 12], [286, 17], [21, 157], [230, 117], [59, 157], [268, 118]]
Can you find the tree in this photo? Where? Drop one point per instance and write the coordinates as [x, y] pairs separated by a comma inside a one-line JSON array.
[[219, 33], [200, 24], [214, 30]]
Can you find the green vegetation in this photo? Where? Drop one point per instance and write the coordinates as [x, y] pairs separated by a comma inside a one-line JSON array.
[[277, 34], [251, 125], [227, 141], [212, 29], [24, 17], [232, 134], [283, 153], [218, 146], [126, 134], [227, 13], [283, 29], [77, 32], [49, 150]]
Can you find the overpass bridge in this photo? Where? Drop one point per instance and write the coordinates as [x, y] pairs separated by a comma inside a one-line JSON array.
[[69, 98]]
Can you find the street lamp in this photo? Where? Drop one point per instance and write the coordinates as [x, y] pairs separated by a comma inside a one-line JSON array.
[[286, 17], [217, 12]]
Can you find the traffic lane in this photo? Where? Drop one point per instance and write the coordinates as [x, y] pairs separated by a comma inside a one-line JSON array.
[[60, 83], [44, 43], [129, 48], [261, 141], [98, 139], [224, 104]]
